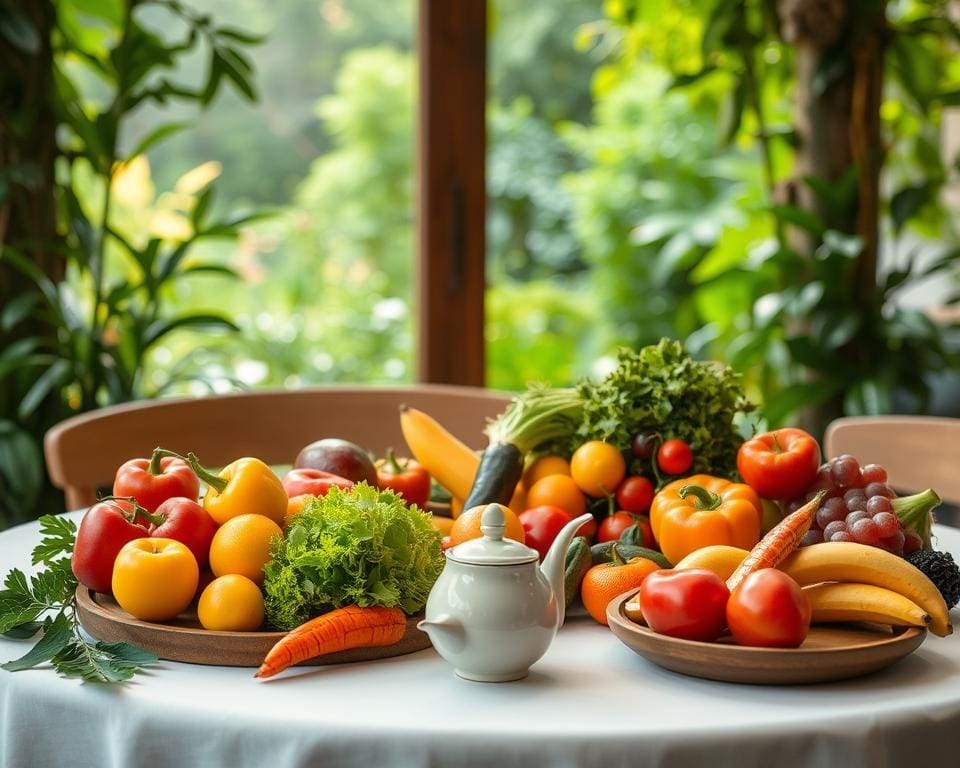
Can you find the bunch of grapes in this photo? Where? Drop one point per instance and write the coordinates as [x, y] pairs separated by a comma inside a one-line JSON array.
[[858, 507]]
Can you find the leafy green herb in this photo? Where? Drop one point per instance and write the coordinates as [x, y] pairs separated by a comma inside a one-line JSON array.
[[360, 546], [46, 604], [663, 389]]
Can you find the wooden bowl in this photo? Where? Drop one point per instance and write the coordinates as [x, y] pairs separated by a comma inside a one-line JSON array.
[[183, 639], [830, 652]]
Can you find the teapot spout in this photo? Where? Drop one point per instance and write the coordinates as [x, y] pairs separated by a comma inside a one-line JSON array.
[[444, 630], [554, 563]]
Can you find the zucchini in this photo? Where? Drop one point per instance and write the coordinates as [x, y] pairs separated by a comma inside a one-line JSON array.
[[501, 467], [601, 553], [579, 561]]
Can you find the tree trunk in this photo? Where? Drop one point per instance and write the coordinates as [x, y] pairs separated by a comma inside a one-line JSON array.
[[839, 62]]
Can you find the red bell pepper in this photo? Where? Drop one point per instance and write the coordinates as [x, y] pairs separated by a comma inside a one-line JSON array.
[[409, 479], [153, 481], [313, 482], [105, 528]]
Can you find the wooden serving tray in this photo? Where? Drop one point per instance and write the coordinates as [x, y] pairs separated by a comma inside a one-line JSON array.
[[183, 639], [830, 652]]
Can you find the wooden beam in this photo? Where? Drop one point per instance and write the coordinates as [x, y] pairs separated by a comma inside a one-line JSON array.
[[451, 200]]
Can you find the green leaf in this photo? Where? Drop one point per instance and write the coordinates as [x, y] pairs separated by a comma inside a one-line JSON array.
[[799, 217], [213, 269], [200, 209], [869, 397], [101, 663], [17, 605], [46, 382], [806, 352], [58, 537], [24, 631], [16, 310], [789, 400], [838, 328], [18, 30], [942, 262], [56, 636], [21, 465], [161, 328], [731, 113], [157, 135], [214, 76], [248, 38], [688, 78], [846, 245], [907, 202], [16, 355]]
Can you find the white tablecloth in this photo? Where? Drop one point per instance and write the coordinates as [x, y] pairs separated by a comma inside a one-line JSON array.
[[589, 702]]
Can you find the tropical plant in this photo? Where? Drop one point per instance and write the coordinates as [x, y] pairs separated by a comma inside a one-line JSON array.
[[84, 303], [841, 105]]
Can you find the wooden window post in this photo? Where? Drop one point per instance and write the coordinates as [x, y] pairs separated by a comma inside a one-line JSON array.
[[451, 200]]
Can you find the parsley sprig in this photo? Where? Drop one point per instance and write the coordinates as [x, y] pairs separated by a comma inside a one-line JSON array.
[[46, 604]]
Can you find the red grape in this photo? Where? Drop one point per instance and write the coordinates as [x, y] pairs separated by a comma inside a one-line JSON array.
[[874, 473], [832, 509], [879, 489], [866, 531], [912, 542], [842, 536], [854, 516], [813, 536], [845, 471], [855, 499], [894, 543], [835, 527], [878, 504], [887, 523]]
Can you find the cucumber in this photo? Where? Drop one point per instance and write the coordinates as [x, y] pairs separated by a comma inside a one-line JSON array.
[[501, 466], [601, 553], [579, 561]]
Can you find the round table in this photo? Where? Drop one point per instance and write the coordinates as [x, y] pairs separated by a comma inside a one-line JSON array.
[[589, 702]]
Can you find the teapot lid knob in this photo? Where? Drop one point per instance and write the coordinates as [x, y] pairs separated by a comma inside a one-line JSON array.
[[492, 523]]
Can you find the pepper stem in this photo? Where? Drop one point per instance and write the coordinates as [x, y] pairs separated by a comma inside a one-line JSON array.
[[138, 511], [704, 499], [395, 466], [214, 481], [615, 557]]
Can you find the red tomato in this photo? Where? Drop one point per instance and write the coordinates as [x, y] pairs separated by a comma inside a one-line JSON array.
[[780, 464], [541, 526], [613, 525], [184, 520], [675, 457], [314, 482], [690, 604], [635, 495], [770, 610], [105, 529]]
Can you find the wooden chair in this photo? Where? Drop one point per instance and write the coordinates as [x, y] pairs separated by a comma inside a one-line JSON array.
[[83, 453], [917, 451]]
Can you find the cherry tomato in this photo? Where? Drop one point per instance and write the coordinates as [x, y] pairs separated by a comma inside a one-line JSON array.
[[644, 445], [635, 495], [770, 610], [184, 520], [690, 604], [597, 468], [675, 457], [780, 464], [541, 526], [613, 525]]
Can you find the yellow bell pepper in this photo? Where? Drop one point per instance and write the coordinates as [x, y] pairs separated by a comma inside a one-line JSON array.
[[701, 511]]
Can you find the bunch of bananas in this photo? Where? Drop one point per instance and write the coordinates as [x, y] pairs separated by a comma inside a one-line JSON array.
[[846, 581]]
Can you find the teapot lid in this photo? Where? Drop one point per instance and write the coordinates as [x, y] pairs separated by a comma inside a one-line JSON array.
[[492, 548]]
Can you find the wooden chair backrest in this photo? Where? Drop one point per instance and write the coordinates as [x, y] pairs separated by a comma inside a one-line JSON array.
[[83, 452], [918, 452]]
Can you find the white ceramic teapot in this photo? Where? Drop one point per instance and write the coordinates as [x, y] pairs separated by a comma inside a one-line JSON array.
[[494, 610]]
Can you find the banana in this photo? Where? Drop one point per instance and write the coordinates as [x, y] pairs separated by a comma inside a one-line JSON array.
[[722, 559], [864, 602], [447, 459], [851, 562]]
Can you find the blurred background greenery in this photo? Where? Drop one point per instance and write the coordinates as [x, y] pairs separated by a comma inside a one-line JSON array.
[[640, 162]]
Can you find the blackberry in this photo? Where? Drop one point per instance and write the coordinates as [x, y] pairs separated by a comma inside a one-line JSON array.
[[940, 568]]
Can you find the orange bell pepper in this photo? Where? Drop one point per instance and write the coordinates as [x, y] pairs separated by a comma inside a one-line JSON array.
[[702, 510]]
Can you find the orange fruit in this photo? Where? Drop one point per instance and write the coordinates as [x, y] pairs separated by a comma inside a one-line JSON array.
[[154, 579], [597, 468], [557, 491], [543, 467], [295, 504], [518, 502], [231, 603], [442, 524], [467, 526], [242, 545], [606, 581]]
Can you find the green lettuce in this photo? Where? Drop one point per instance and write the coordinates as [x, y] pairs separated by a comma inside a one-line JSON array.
[[360, 546], [661, 388]]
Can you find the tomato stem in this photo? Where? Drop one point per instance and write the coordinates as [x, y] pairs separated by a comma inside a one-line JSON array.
[[703, 499], [214, 481], [155, 468], [138, 510], [777, 448], [395, 466]]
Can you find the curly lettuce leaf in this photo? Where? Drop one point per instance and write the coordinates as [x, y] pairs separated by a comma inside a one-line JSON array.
[[360, 546]]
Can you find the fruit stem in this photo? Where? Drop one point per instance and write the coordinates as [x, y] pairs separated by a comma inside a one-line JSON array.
[[916, 513], [703, 499], [155, 468], [214, 481], [137, 511]]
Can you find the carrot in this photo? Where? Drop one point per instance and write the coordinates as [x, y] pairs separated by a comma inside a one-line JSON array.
[[338, 630], [779, 543]]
